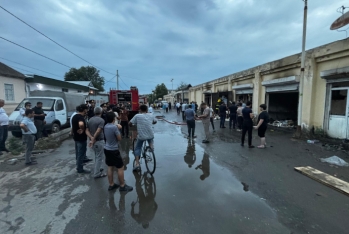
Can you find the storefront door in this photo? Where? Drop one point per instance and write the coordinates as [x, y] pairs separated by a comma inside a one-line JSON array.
[[339, 113]]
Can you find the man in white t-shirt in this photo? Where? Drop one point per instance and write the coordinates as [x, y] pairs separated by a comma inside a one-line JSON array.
[[144, 122], [4, 121], [150, 109], [178, 106], [184, 107]]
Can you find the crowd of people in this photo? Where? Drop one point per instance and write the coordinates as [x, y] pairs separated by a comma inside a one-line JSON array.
[[104, 127], [240, 117]]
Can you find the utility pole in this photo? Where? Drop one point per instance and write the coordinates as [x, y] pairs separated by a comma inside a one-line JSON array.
[[172, 92], [301, 80], [117, 79]]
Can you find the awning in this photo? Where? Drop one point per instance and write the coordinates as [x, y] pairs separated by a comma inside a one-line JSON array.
[[290, 83], [336, 75], [243, 89]]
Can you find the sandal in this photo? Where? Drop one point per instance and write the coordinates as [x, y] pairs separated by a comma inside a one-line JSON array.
[[261, 147], [100, 176]]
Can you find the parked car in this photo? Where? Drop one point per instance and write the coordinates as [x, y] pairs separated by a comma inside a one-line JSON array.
[[58, 107]]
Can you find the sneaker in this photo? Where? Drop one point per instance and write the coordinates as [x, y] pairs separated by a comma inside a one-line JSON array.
[[126, 188], [188, 137], [205, 142], [194, 136], [87, 160], [115, 186], [1, 153], [137, 168], [250, 146], [239, 130], [84, 172], [242, 145], [31, 163]]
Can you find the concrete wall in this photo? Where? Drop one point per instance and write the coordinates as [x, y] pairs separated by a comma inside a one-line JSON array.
[[19, 92]]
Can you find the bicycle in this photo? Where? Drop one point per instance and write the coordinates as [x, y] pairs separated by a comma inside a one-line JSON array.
[[147, 153]]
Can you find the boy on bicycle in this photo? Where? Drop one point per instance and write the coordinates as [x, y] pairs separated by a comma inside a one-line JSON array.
[[144, 122]]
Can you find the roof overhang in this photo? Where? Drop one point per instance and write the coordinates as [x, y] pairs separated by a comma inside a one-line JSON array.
[[281, 81]]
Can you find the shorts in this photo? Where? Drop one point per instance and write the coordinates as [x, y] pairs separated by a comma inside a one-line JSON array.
[[261, 131], [113, 158]]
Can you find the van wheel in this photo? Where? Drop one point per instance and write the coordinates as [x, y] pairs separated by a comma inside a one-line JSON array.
[[17, 134], [55, 128]]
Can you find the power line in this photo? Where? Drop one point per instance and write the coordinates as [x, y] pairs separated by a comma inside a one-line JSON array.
[[35, 52], [53, 40], [123, 82], [21, 69], [30, 67]]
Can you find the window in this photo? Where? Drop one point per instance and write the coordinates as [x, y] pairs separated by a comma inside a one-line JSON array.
[[59, 105], [9, 92], [79, 91], [64, 90]]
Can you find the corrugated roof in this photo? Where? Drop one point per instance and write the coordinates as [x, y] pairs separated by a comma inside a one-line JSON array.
[[84, 83], [10, 72]]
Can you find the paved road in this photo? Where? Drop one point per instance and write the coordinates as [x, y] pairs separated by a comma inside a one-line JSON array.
[[196, 189]]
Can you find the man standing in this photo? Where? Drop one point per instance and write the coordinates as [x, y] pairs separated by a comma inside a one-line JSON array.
[[104, 113], [112, 154], [184, 107], [91, 113], [169, 105], [178, 106], [39, 119], [124, 122], [27, 106], [240, 118], [247, 124], [80, 137], [222, 114], [150, 109], [190, 116], [29, 131], [205, 117], [144, 122], [3, 127], [95, 129], [232, 115]]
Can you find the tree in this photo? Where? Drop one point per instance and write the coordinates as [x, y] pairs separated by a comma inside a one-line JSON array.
[[182, 85], [160, 91], [88, 73]]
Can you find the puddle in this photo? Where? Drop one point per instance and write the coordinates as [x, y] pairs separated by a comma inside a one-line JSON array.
[[190, 193]]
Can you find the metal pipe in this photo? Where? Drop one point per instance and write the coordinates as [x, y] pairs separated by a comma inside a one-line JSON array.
[[301, 81]]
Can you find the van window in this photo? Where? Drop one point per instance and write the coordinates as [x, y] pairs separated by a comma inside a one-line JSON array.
[[47, 104], [59, 105]]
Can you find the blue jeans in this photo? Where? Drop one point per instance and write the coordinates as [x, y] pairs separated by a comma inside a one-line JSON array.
[[222, 120], [3, 137], [80, 152], [139, 144]]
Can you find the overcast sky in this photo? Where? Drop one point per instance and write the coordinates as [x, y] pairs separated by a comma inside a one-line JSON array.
[[152, 41]]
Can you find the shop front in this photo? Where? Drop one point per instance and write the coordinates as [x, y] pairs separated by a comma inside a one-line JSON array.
[[282, 96], [243, 93], [336, 122]]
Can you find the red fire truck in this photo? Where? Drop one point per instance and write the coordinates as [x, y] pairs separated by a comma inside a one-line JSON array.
[[129, 98]]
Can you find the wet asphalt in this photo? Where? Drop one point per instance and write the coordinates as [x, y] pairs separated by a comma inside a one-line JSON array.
[[215, 188]]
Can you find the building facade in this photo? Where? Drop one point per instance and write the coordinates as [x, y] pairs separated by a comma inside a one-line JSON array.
[[12, 86], [317, 103]]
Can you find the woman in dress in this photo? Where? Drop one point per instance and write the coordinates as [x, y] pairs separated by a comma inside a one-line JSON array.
[[262, 125]]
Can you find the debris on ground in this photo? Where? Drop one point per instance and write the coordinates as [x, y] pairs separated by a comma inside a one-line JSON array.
[[312, 141], [282, 123], [12, 161], [335, 160]]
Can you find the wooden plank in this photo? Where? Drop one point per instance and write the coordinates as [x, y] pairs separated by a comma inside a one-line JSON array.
[[326, 179]]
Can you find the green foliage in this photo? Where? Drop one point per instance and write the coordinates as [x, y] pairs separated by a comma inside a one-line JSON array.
[[160, 91], [15, 145], [182, 85], [88, 73]]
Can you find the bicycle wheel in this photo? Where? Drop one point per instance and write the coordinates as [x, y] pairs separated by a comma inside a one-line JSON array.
[[149, 185], [150, 161]]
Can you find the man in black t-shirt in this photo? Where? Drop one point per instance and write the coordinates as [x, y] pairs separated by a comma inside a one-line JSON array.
[[91, 113], [80, 137], [247, 125], [39, 119], [222, 114], [232, 115]]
